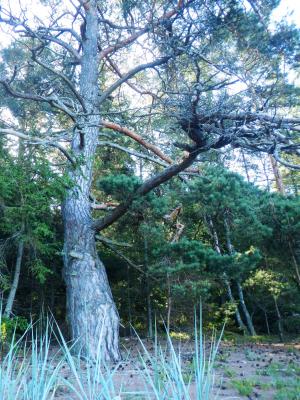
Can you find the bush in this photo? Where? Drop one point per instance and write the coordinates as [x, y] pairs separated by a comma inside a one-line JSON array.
[[9, 326]]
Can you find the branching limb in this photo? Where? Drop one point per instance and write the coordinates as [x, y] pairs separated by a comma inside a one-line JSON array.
[[130, 74], [62, 77], [131, 85], [38, 141], [150, 25], [145, 188], [154, 149], [108, 206], [127, 260], [43, 37], [133, 152], [285, 163], [52, 100]]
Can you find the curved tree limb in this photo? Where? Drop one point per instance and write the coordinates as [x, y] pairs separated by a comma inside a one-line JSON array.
[[53, 100], [137, 138], [132, 152], [285, 163], [145, 188], [130, 74]]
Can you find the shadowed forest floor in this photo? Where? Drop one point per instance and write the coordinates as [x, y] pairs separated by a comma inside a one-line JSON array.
[[242, 371]]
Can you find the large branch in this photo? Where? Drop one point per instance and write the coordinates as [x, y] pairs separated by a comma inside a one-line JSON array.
[[35, 140], [61, 43], [285, 163], [251, 117], [145, 188], [132, 152], [189, 172], [62, 77], [43, 37], [154, 149], [130, 74], [52, 100], [62, 30], [131, 85]]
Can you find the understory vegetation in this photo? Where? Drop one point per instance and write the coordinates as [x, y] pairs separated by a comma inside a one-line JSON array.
[[40, 365]]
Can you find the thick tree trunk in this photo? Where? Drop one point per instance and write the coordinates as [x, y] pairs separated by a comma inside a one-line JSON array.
[[15, 283], [91, 312]]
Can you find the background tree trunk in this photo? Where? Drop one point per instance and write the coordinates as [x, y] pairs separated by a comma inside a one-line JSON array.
[[232, 301], [225, 277], [279, 319], [148, 291], [231, 251], [15, 283], [245, 310], [277, 175]]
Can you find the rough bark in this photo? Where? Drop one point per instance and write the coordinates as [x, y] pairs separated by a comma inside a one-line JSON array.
[[92, 314], [15, 283]]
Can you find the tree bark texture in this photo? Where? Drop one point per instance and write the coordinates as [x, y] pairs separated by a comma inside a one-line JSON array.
[[91, 311]]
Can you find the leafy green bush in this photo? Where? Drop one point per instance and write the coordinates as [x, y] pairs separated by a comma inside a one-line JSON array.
[[11, 325]]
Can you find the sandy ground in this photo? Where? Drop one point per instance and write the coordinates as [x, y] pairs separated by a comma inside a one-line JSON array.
[[234, 365]]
